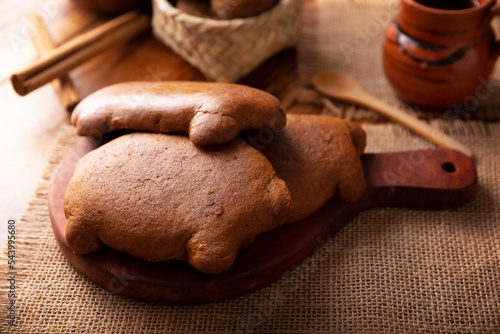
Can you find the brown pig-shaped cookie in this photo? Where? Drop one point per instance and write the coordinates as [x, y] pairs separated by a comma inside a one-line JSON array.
[[199, 8], [232, 9], [318, 157], [158, 197], [211, 113]]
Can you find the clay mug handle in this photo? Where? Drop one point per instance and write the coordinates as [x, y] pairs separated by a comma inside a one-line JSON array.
[[493, 11]]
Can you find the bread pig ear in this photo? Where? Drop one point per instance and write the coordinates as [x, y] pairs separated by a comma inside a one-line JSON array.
[[279, 198], [212, 129]]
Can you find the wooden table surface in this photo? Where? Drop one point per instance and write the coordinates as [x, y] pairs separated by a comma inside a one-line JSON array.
[[29, 125]]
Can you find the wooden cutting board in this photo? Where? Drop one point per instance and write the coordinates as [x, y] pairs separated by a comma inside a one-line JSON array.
[[432, 179]]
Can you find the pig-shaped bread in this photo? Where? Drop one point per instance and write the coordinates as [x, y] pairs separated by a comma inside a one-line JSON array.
[[159, 197], [318, 157], [211, 113]]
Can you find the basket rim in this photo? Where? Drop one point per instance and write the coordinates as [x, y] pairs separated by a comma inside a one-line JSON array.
[[166, 8]]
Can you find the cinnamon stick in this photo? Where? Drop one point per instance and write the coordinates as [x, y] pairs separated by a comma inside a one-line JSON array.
[[61, 60], [63, 86]]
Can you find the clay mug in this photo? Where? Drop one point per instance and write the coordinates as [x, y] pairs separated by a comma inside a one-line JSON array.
[[439, 53]]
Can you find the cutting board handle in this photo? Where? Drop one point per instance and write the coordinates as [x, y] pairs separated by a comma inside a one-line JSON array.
[[438, 178]]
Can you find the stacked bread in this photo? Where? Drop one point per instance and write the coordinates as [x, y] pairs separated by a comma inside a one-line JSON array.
[[225, 9], [207, 168]]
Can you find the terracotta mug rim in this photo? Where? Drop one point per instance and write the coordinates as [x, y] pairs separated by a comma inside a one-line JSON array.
[[415, 3]]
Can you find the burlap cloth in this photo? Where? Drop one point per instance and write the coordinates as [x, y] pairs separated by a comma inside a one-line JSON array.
[[347, 36], [388, 271]]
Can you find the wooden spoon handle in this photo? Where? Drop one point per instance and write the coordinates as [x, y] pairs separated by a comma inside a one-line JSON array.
[[414, 124]]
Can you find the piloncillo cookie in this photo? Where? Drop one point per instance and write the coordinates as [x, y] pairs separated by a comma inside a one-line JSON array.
[[211, 113], [158, 197], [232, 9], [319, 158], [200, 8]]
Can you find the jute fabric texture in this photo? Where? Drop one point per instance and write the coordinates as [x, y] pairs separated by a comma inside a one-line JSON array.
[[347, 36], [388, 271]]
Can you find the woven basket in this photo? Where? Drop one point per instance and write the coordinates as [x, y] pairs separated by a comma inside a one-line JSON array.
[[226, 50]]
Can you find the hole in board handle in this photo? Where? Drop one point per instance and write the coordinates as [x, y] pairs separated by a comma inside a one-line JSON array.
[[449, 167]]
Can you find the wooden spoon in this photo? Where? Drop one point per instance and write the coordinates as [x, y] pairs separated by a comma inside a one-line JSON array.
[[344, 88]]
